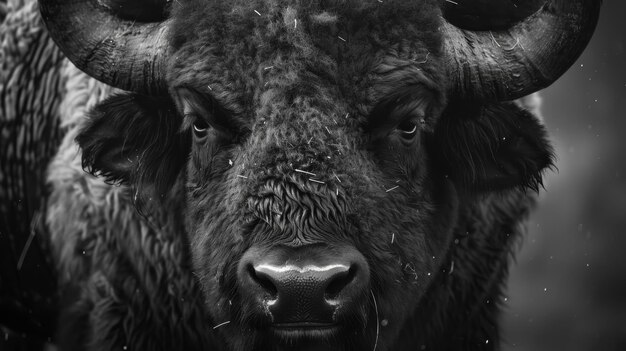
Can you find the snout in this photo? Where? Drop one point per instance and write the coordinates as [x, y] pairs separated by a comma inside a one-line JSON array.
[[312, 287]]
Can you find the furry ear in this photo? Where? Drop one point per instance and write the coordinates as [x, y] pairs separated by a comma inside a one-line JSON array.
[[492, 147], [135, 140]]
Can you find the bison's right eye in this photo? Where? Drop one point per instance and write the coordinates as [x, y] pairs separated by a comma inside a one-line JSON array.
[[200, 129]]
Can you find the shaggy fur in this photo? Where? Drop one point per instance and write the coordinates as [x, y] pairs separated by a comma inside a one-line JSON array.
[[124, 275], [30, 83], [275, 86]]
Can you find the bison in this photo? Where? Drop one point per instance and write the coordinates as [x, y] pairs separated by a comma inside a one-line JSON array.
[[294, 175]]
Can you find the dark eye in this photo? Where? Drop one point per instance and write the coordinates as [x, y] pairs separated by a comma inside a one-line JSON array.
[[200, 128], [407, 130]]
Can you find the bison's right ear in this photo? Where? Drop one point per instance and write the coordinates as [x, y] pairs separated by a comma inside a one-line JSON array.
[[136, 140]]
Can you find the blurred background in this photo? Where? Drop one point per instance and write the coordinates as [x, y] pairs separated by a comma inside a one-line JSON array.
[[567, 290]]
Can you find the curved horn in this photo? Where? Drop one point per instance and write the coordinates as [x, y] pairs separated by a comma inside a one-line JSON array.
[[127, 54], [509, 64]]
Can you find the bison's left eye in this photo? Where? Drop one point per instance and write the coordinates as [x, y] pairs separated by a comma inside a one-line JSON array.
[[407, 131]]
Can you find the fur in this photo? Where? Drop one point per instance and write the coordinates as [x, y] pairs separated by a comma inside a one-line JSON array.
[[303, 86], [30, 83], [110, 281]]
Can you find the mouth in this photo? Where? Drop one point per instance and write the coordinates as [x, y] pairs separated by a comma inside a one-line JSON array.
[[304, 330], [306, 335]]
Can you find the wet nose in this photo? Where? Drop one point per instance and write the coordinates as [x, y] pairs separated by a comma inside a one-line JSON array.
[[306, 293], [306, 287]]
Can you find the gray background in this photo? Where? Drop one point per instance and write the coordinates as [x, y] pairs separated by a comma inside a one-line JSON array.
[[567, 290]]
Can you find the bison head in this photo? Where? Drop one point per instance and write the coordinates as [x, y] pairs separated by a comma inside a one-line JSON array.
[[323, 153]]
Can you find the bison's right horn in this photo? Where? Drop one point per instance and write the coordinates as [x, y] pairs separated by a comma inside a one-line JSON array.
[[506, 64], [122, 43]]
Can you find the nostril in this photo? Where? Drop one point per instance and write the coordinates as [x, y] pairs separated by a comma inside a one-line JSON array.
[[338, 282], [264, 280]]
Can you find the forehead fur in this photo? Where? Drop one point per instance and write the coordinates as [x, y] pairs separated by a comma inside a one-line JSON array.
[[220, 21], [234, 45]]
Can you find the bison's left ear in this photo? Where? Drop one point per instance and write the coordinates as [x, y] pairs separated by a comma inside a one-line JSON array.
[[492, 147], [135, 140]]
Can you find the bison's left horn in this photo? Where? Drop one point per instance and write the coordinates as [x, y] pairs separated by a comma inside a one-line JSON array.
[[119, 42], [530, 55]]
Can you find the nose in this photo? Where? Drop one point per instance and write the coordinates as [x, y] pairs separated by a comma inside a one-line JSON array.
[[306, 293], [304, 287]]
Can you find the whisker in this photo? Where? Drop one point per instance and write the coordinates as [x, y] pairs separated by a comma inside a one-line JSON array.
[[377, 319], [221, 325], [25, 249]]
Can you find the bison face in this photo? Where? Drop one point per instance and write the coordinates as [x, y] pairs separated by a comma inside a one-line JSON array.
[[319, 152]]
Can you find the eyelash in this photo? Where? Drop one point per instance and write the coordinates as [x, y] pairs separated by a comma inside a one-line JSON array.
[[410, 132]]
